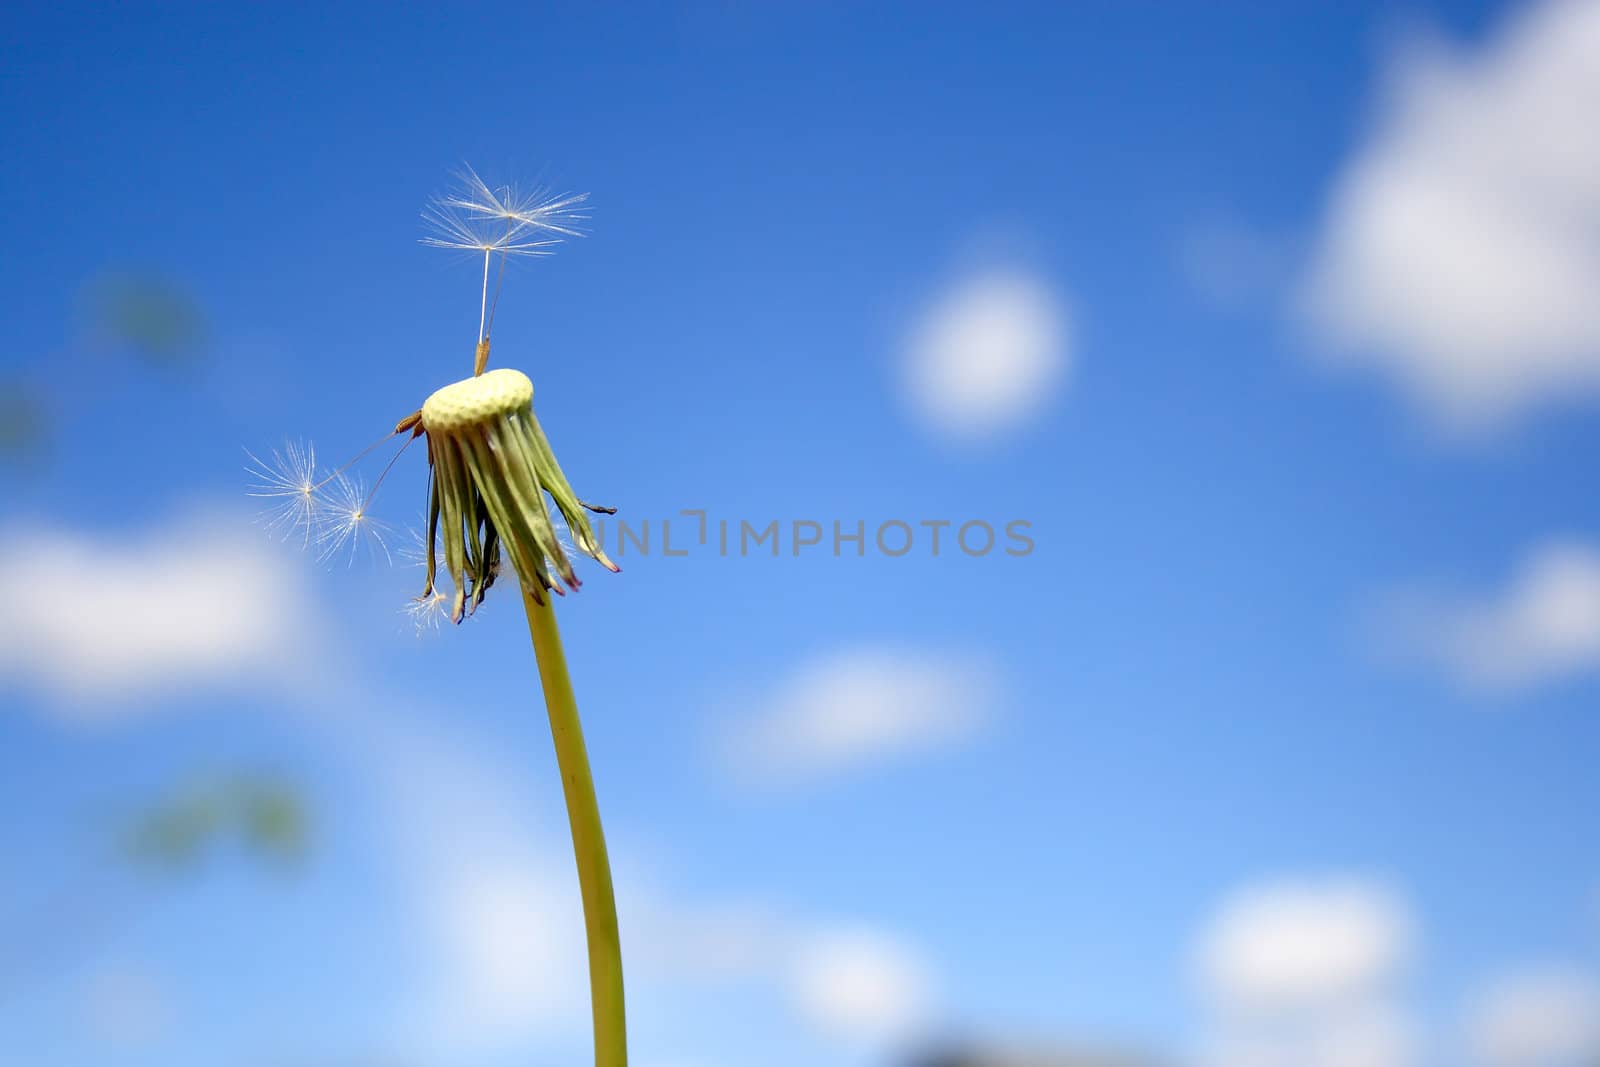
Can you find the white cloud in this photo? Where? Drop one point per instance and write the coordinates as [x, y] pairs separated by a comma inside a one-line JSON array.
[[512, 937], [1460, 251], [117, 618], [1288, 945], [858, 983], [487, 878], [1541, 1018], [858, 707], [851, 982], [988, 354], [848, 982], [1306, 973], [1544, 625]]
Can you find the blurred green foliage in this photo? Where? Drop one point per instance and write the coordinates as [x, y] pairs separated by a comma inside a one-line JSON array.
[[22, 421], [148, 315], [265, 816], [133, 313]]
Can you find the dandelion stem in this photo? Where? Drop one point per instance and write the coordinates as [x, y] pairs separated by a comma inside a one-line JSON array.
[[588, 839]]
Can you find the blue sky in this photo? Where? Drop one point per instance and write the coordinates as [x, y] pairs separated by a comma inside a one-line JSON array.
[[1275, 325]]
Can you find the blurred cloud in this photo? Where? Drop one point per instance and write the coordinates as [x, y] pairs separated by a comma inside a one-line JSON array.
[[194, 601], [1288, 944], [859, 983], [857, 707], [1548, 1017], [676, 940], [1460, 250], [988, 353], [482, 874], [514, 948], [1305, 973], [126, 1005], [852, 982], [1544, 625]]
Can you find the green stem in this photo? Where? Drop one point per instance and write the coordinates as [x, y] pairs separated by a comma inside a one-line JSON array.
[[588, 840]]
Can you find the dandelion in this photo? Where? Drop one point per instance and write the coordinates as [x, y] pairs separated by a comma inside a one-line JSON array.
[[492, 468], [288, 476], [493, 478]]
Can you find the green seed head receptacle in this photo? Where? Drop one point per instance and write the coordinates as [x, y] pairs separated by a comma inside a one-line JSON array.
[[492, 467]]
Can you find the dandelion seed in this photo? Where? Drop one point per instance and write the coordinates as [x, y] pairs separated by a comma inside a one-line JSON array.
[[488, 221], [537, 209], [428, 611], [467, 232], [290, 478], [345, 525]]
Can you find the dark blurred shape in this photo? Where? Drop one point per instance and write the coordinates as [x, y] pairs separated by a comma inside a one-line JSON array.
[[151, 316], [1019, 1056], [22, 421], [266, 816]]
